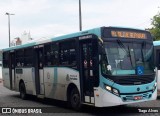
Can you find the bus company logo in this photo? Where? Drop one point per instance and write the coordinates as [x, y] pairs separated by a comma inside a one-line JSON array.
[[85, 37], [138, 89], [6, 110]]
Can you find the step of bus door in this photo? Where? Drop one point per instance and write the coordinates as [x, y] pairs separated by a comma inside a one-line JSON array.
[[40, 96]]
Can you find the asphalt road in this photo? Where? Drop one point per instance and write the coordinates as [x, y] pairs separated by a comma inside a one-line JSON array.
[[11, 99]]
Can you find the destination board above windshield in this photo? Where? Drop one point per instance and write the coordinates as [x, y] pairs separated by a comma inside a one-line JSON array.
[[126, 34]]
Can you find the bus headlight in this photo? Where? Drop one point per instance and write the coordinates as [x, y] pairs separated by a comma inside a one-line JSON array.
[[112, 90], [108, 88], [115, 91]]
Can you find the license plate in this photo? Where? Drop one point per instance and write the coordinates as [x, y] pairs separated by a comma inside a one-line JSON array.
[[137, 97]]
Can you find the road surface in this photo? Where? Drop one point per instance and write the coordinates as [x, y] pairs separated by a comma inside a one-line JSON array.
[[11, 99]]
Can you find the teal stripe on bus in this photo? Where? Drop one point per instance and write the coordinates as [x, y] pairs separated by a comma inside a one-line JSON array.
[[96, 31], [54, 87], [20, 46]]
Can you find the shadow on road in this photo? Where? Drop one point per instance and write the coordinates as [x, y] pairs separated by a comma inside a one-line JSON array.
[[61, 107]]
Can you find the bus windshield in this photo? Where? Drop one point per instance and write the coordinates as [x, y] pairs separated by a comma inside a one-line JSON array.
[[124, 58]]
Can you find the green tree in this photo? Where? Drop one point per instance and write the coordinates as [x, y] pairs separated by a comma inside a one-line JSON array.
[[155, 30]]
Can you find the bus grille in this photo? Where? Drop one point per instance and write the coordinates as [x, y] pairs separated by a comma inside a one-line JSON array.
[[131, 97]]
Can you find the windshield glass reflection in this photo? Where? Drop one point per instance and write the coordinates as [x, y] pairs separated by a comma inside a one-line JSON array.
[[127, 58]]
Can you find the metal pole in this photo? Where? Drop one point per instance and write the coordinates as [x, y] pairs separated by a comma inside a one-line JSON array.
[[9, 26], [9, 29], [80, 16]]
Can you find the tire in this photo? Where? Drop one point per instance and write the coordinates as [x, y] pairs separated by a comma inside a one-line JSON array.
[[22, 90], [75, 101]]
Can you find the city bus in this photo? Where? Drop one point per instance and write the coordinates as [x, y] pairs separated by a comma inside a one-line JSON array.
[[105, 66], [157, 62]]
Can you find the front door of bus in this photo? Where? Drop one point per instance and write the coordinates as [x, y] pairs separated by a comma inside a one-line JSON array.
[[88, 69], [39, 80], [157, 62], [158, 59]]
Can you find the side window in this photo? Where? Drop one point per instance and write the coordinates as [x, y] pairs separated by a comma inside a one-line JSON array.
[[68, 53], [40, 58], [55, 53], [72, 53], [20, 58], [28, 57], [64, 59], [47, 55], [51, 54], [5, 59]]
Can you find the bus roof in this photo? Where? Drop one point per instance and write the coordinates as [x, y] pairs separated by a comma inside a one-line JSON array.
[[38, 42], [96, 31]]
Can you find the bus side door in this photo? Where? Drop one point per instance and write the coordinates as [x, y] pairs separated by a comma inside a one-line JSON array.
[[39, 76], [12, 70], [88, 68]]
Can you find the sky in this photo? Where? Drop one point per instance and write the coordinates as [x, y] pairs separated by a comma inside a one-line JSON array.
[[49, 18]]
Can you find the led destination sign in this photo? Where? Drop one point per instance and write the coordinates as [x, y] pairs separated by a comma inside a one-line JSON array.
[[128, 34]]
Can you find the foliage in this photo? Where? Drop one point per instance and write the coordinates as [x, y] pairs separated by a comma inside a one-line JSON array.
[[155, 30]]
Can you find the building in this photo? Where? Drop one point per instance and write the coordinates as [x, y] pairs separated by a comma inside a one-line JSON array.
[[25, 37]]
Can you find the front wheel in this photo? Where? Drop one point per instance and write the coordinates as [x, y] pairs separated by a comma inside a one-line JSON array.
[[75, 99], [22, 90]]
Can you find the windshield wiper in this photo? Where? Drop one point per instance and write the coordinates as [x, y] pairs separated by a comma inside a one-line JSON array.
[[122, 46], [127, 51]]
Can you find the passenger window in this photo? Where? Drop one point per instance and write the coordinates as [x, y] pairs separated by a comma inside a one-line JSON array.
[[20, 58], [55, 53], [5, 60], [51, 54], [47, 54], [28, 57], [68, 53]]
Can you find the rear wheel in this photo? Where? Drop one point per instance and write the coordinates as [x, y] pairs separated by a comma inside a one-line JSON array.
[[75, 102], [22, 90]]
